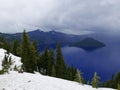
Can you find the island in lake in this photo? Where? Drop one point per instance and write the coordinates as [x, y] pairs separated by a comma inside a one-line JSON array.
[[88, 44]]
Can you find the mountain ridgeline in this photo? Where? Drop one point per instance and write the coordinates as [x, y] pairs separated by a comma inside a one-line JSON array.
[[45, 37], [50, 39]]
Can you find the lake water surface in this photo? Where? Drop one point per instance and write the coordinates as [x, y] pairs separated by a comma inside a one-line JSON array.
[[105, 61]]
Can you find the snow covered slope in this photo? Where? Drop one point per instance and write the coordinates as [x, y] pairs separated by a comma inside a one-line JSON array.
[[26, 81], [15, 60]]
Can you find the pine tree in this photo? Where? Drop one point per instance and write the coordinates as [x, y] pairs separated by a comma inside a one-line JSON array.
[[95, 80], [46, 61], [15, 46], [7, 46], [35, 44], [2, 41], [73, 71], [6, 63], [113, 82], [60, 64], [53, 73], [50, 62], [118, 85], [39, 64], [42, 62], [28, 54], [68, 73], [117, 80], [25, 52], [19, 51], [33, 57], [78, 77]]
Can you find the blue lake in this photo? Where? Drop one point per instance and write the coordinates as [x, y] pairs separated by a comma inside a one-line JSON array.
[[105, 61]]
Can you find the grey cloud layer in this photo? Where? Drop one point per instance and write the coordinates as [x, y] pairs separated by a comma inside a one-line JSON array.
[[71, 16]]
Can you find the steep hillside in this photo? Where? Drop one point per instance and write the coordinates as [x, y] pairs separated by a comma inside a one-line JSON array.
[[26, 81], [16, 61]]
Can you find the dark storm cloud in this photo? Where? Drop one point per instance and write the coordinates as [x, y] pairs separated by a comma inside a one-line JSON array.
[[70, 16]]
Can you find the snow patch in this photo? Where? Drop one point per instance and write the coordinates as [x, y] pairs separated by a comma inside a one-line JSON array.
[[16, 60], [27, 81]]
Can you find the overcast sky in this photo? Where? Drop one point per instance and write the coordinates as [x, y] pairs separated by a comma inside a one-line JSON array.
[[69, 16]]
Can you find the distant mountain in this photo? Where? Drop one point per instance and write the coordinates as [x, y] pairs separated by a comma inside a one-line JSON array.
[[45, 38], [50, 39], [88, 44]]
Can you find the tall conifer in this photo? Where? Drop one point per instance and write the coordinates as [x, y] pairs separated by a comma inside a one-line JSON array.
[[15, 47], [78, 77], [118, 85], [53, 73], [33, 57], [28, 54], [50, 62], [95, 80], [60, 64], [25, 52]]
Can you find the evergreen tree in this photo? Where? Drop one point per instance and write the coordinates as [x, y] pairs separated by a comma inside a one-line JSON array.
[[73, 71], [7, 46], [19, 51], [46, 61], [118, 85], [15, 46], [39, 64], [60, 64], [33, 57], [35, 44], [2, 40], [68, 74], [110, 83], [95, 80], [6, 63], [117, 80], [113, 82], [28, 54], [43, 62], [25, 52], [78, 77], [50, 62], [53, 73]]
